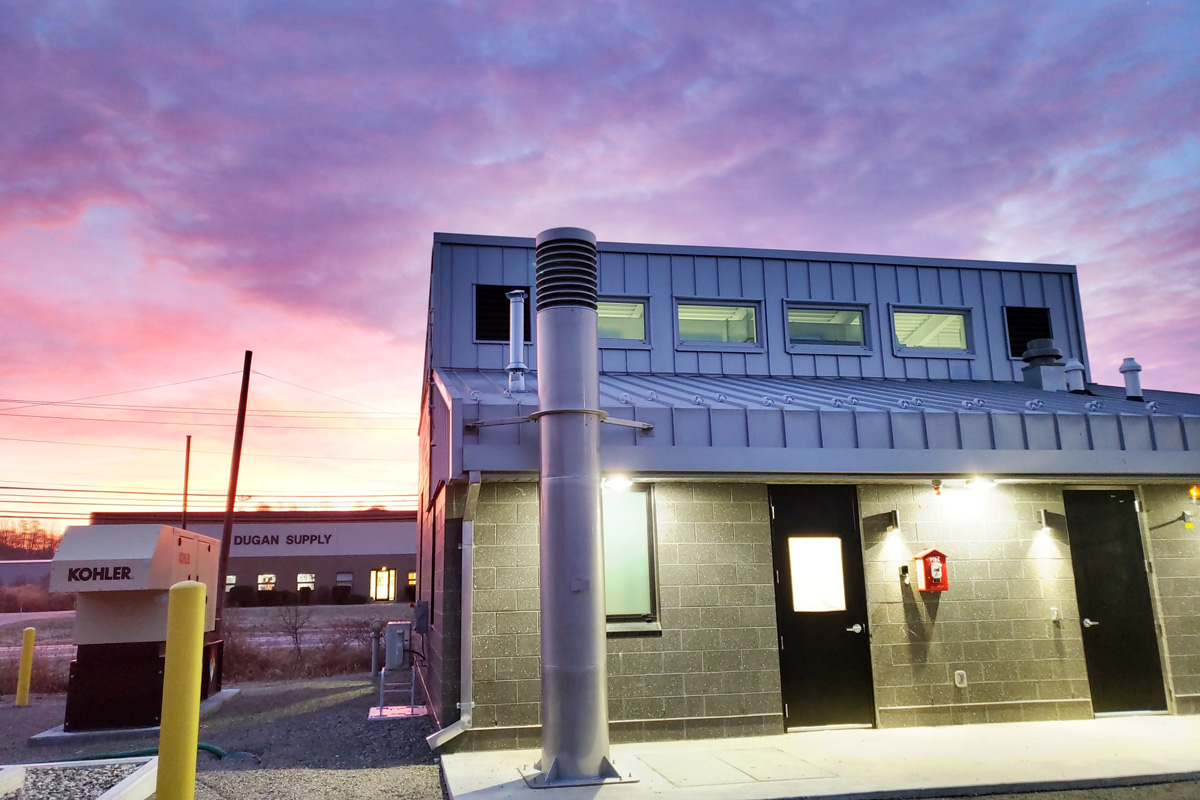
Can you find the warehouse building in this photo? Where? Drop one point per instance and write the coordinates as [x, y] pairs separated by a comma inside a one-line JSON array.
[[846, 490], [319, 556]]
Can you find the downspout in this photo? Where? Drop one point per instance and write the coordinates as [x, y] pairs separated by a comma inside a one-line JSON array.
[[465, 702]]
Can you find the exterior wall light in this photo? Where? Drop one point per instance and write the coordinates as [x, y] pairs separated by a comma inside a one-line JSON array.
[[891, 522], [981, 483], [1194, 493], [616, 483], [1044, 515], [937, 487]]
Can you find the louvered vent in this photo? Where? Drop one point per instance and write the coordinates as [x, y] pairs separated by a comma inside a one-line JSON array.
[[1024, 325], [566, 270]]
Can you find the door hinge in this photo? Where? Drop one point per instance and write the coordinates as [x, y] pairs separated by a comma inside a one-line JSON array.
[[781, 643], [1137, 506], [786, 713], [777, 577], [1149, 567], [772, 510]]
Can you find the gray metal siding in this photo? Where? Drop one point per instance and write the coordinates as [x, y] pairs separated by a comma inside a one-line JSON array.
[[768, 278], [730, 424]]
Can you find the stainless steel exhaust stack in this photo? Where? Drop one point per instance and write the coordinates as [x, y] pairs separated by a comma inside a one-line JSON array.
[[1133, 379], [575, 744], [516, 340]]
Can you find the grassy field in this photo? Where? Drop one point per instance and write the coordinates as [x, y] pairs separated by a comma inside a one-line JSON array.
[[267, 619], [260, 643], [51, 630]]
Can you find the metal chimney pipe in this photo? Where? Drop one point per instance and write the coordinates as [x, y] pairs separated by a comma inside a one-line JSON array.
[[575, 744], [1074, 370], [516, 340], [1133, 379]]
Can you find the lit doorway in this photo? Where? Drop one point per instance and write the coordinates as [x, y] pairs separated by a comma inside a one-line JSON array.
[[383, 584]]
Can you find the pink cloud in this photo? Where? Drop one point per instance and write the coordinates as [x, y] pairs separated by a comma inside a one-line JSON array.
[[179, 184]]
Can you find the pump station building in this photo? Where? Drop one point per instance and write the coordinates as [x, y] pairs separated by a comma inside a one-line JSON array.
[[858, 491]]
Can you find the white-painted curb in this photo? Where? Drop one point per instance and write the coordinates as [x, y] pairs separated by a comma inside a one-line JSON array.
[[138, 786]]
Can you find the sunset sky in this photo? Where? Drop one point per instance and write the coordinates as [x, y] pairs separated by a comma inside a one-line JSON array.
[[181, 182]]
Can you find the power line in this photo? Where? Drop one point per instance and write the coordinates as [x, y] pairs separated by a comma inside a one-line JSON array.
[[211, 505], [203, 424], [88, 487], [127, 391], [195, 494], [217, 411], [205, 452], [315, 391]]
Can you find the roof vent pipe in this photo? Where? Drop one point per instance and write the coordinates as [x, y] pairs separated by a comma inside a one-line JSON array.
[[575, 744], [1074, 370], [1043, 369], [1133, 379], [516, 340]]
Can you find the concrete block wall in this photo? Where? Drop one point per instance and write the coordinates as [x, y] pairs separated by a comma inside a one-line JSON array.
[[994, 622], [1174, 550], [714, 669], [443, 561]]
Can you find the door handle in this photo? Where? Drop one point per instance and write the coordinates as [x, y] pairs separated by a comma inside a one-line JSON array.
[[855, 628], [1087, 623]]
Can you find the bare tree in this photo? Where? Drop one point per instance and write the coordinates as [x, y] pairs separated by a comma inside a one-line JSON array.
[[294, 619]]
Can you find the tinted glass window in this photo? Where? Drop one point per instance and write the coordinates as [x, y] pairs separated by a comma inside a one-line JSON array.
[[937, 330], [717, 323], [621, 320], [825, 326], [629, 588]]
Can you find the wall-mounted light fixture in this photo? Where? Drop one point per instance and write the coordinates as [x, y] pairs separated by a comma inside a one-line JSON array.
[[1044, 517], [937, 487], [981, 483], [1194, 493], [616, 483], [891, 521]]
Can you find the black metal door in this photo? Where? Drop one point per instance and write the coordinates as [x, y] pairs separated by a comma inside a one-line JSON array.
[[1119, 640], [824, 648]]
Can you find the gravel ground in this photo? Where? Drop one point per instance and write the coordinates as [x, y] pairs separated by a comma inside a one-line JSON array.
[[311, 739], [314, 742], [71, 783]]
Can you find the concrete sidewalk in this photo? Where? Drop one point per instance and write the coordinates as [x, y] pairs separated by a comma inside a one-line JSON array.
[[893, 763]]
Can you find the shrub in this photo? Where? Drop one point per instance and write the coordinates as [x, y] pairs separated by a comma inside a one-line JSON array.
[[33, 597], [49, 675], [343, 650], [241, 596]]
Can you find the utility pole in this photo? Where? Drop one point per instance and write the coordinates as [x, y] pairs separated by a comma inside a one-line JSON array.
[[227, 531], [187, 463]]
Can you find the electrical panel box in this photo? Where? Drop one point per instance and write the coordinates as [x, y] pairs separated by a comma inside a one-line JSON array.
[[421, 616], [397, 640], [122, 575]]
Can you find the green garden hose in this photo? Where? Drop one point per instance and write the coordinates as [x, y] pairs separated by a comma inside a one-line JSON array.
[[148, 751]]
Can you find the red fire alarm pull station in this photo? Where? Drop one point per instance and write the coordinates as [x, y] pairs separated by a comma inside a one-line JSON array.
[[931, 571]]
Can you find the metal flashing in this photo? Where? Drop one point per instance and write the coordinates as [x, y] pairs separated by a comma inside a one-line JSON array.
[[772, 253], [704, 424]]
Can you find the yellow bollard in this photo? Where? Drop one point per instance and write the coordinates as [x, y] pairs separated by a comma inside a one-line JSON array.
[[180, 727], [26, 667]]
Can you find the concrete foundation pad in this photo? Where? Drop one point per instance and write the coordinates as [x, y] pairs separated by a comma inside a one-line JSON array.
[[864, 764], [57, 735]]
